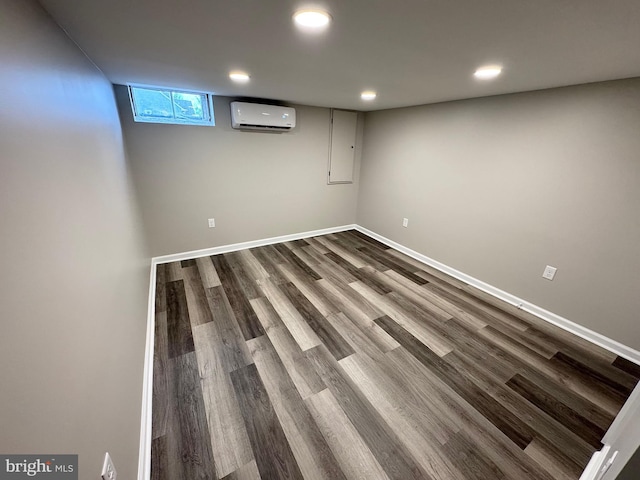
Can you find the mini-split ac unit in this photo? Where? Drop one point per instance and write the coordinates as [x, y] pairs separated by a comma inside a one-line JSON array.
[[255, 116]]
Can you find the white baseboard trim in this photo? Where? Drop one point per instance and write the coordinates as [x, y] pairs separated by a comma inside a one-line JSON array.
[[144, 456], [595, 464], [594, 337], [205, 252]]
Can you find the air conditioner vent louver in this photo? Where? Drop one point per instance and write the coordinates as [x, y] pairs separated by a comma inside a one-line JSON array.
[[263, 127]]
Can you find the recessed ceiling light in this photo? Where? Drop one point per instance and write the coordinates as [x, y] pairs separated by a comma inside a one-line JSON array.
[[490, 71], [239, 77], [368, 95], [313, 19]]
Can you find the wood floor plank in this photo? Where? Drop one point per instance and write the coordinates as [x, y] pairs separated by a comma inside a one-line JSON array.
[[272, 451], [447, 309], [180, 340], [225, 335], [272, 253], [313, 455], [333, 272], [159, 459], [621, 382], [568, 343], [248, 471], [508, 423], [173, 271], [546, 402], [558, 372], [192, 432], [341, 252], [466, 457], [245, 281], [527, 342], [365, 238], [426, 335], [317, 246], [304, 377], [627, 366], [337, 345], [482, 311], [558, 466], [267, 262], [252, 266], [402, 286], [294, 321], [161, 296], [574, 448], [356, 461], [576, 402], [356, 336], [293, 244], [427, 272], [310, 290], [378, 337], [308, 255], [207, 272], [490, 442], [161, 392], [378, 378], [351, 297], [469, 345], [394, 263], [295, 260], [424, 444], [387, 448], [367, 275], [229, 440], [245, 316], [199, 312]]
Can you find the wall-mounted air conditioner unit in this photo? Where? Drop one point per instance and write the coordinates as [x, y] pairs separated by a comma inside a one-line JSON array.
[[255, 116]]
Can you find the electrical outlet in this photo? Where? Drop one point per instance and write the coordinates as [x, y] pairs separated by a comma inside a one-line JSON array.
[[212, 222], [108, 469], [405, 222], [549, 272]]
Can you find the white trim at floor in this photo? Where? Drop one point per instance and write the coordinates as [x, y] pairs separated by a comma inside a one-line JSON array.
[[144, 458], [205, 252], [144, 463]]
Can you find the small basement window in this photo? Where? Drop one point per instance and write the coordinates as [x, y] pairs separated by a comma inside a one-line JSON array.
[[163, 105]]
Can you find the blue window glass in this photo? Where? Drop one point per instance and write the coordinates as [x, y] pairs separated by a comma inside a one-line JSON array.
[[160, 105]]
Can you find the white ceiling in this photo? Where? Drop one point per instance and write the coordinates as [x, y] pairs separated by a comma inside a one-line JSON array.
[[410, 51]]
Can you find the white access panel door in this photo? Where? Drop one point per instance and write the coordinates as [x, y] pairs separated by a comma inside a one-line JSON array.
[[342, 152]]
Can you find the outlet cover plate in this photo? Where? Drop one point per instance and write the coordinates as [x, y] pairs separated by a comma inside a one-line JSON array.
[[212, 222], [549, 272], [108, 468], [405, 222]]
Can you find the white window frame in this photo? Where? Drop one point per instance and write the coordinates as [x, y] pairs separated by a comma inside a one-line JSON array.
[[208, 122]]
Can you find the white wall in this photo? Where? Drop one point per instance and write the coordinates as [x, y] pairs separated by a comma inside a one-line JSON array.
[[255, 185], [74, 283], [499, 187]]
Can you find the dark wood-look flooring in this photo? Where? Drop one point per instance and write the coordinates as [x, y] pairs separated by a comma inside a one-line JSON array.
[[335, 357]]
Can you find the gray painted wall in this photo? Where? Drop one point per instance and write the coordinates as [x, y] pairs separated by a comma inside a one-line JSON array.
[[255, 185], [74, 284], [499, 187]]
